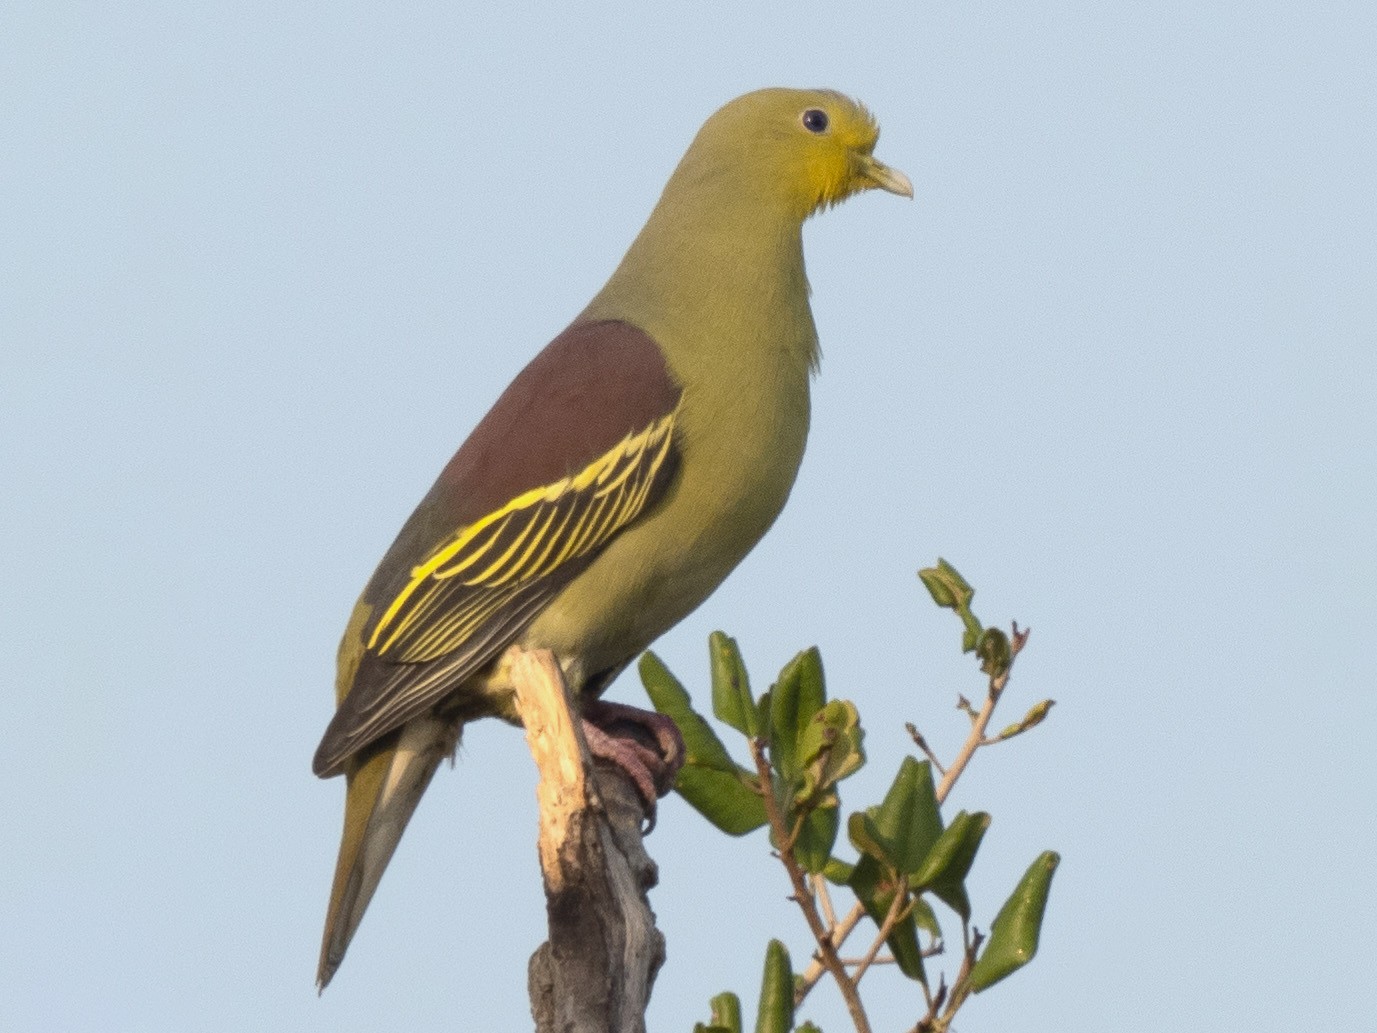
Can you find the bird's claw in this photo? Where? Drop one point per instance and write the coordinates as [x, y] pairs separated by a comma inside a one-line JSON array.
[[645, 745]]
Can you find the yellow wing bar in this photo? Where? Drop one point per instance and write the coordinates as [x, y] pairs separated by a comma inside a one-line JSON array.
[[485, 565]]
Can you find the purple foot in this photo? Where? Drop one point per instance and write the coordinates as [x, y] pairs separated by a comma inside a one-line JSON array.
[[644, 744]]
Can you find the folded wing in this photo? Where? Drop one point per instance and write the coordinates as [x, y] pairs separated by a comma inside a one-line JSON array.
[[578, 448]]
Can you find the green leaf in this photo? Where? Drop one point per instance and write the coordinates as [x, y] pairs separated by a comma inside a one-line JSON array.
[[925, 918], [762, 714], [946, 585], [1014, 932], [893, 839], [946, 865], [838, 873], [807, 1027], [1037, 713], [794, 699], [776, 1013], [668, 696], [713, 784], [829, 749], [698, 1027], [875, 889], [866, 837], [993, 651], [725, 798], [726, 1012], [731, 688], [949, 589], [908, 821], [813, 847]]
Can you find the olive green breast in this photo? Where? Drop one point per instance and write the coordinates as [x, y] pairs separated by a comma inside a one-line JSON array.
[[742, 344]]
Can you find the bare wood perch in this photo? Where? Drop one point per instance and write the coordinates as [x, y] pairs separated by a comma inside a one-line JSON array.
[[595, 973]]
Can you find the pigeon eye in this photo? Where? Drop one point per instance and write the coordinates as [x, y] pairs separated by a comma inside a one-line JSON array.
[[815, 120]]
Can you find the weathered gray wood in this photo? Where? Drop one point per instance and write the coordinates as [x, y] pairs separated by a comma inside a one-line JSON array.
[[595, 973]]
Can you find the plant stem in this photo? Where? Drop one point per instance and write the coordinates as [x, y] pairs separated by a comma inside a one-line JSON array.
[[824, 899], [982, 720], [886, 927], [972, 743], [839, 933], [804, 897], [843, 929]]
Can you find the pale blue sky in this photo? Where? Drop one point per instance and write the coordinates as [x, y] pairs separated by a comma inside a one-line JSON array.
[[265, 264]]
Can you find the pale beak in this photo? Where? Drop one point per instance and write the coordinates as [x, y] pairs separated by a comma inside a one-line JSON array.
[[881, 175]]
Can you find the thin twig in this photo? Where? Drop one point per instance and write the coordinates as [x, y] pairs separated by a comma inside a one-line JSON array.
[[824, 896], [981, 721], [853, 962], [839, 934], [973, 742], [922, 744], [896, 907], [937, 1020], [805, 899], [961, 987]]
